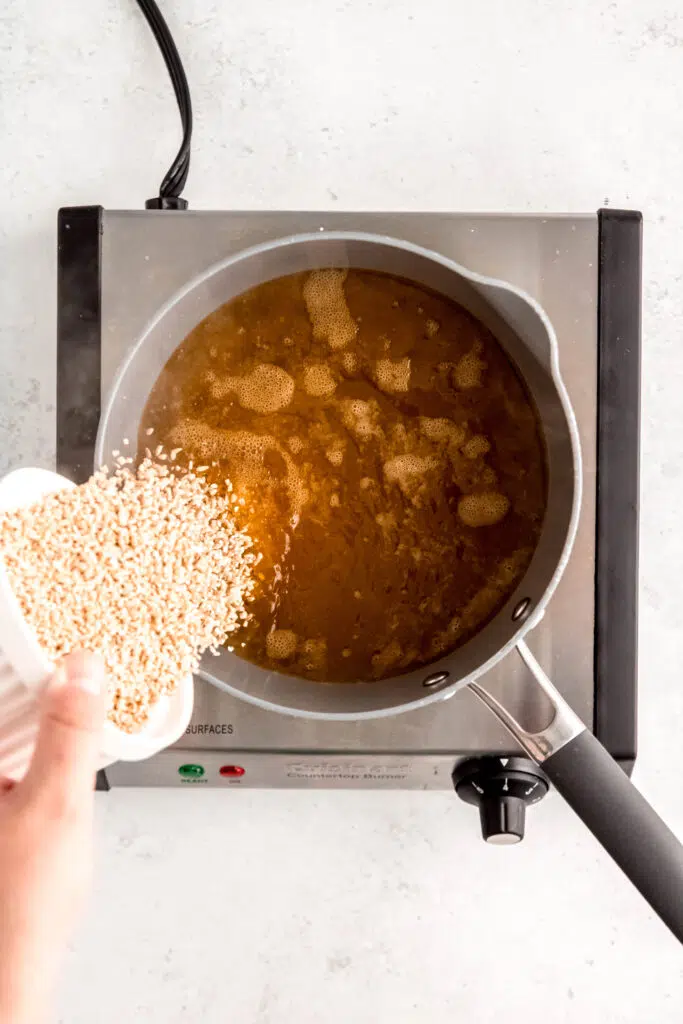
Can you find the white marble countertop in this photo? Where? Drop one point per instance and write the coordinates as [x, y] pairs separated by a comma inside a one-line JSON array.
[[365, 907]]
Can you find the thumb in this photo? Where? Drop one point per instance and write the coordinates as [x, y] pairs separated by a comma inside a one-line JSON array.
[[70, 733]]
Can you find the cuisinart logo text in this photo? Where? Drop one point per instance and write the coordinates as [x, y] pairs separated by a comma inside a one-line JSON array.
[[210, 729]]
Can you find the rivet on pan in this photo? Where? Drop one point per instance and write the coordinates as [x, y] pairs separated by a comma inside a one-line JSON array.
[[521, 609], [435, 679]]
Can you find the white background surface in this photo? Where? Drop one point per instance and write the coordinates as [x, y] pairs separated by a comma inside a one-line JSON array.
[[283, 907]]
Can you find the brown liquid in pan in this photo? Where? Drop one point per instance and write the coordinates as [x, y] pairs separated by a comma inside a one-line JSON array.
[[389, 457]]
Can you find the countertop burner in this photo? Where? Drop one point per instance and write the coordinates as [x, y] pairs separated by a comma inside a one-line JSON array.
[[118, 268]]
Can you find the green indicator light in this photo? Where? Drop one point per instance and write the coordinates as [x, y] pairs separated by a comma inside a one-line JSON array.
[[191, 771]]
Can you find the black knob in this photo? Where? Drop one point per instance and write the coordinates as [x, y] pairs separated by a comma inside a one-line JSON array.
[[502, 788]]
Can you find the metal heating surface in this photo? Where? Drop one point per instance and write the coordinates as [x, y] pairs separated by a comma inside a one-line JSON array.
[[146, 257]]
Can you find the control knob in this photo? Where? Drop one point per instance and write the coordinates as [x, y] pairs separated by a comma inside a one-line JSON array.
[[502, 788]]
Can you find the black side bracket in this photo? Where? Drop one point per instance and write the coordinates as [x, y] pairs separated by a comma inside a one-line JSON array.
[[79, 341], [618, 452]]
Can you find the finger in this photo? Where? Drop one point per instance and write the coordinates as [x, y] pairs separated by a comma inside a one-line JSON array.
[[70, 733]]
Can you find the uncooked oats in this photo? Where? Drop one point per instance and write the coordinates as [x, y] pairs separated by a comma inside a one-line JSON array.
[[145, 566]]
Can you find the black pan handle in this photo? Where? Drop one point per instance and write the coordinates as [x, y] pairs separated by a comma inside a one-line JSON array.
[[604, 798], [622, 820]]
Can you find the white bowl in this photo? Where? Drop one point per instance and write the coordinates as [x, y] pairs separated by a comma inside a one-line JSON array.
[[25, 669]]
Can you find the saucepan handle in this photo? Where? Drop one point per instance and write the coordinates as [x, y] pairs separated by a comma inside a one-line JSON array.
[[622, 820], [602, 795]]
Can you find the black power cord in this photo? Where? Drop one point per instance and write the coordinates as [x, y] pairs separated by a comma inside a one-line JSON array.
[[169, 197]]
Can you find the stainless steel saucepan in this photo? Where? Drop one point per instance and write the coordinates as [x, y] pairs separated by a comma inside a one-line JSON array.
[[581, 769]]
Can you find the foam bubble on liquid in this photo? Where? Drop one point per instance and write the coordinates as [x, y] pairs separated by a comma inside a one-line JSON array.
[[432, 327], [297, 490], [442, 431], [484, 509], [281, 644], [201, 440], [268, 388], [393, 375], [349, 362], [476, 447], [314, 653], [403, 469], [295, 444], [469, 369], [244, 450], [327, 309], [319, 381], [335, 453], [360, 417]]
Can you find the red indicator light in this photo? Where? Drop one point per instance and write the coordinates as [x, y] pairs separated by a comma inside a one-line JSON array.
[[232, 771]]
